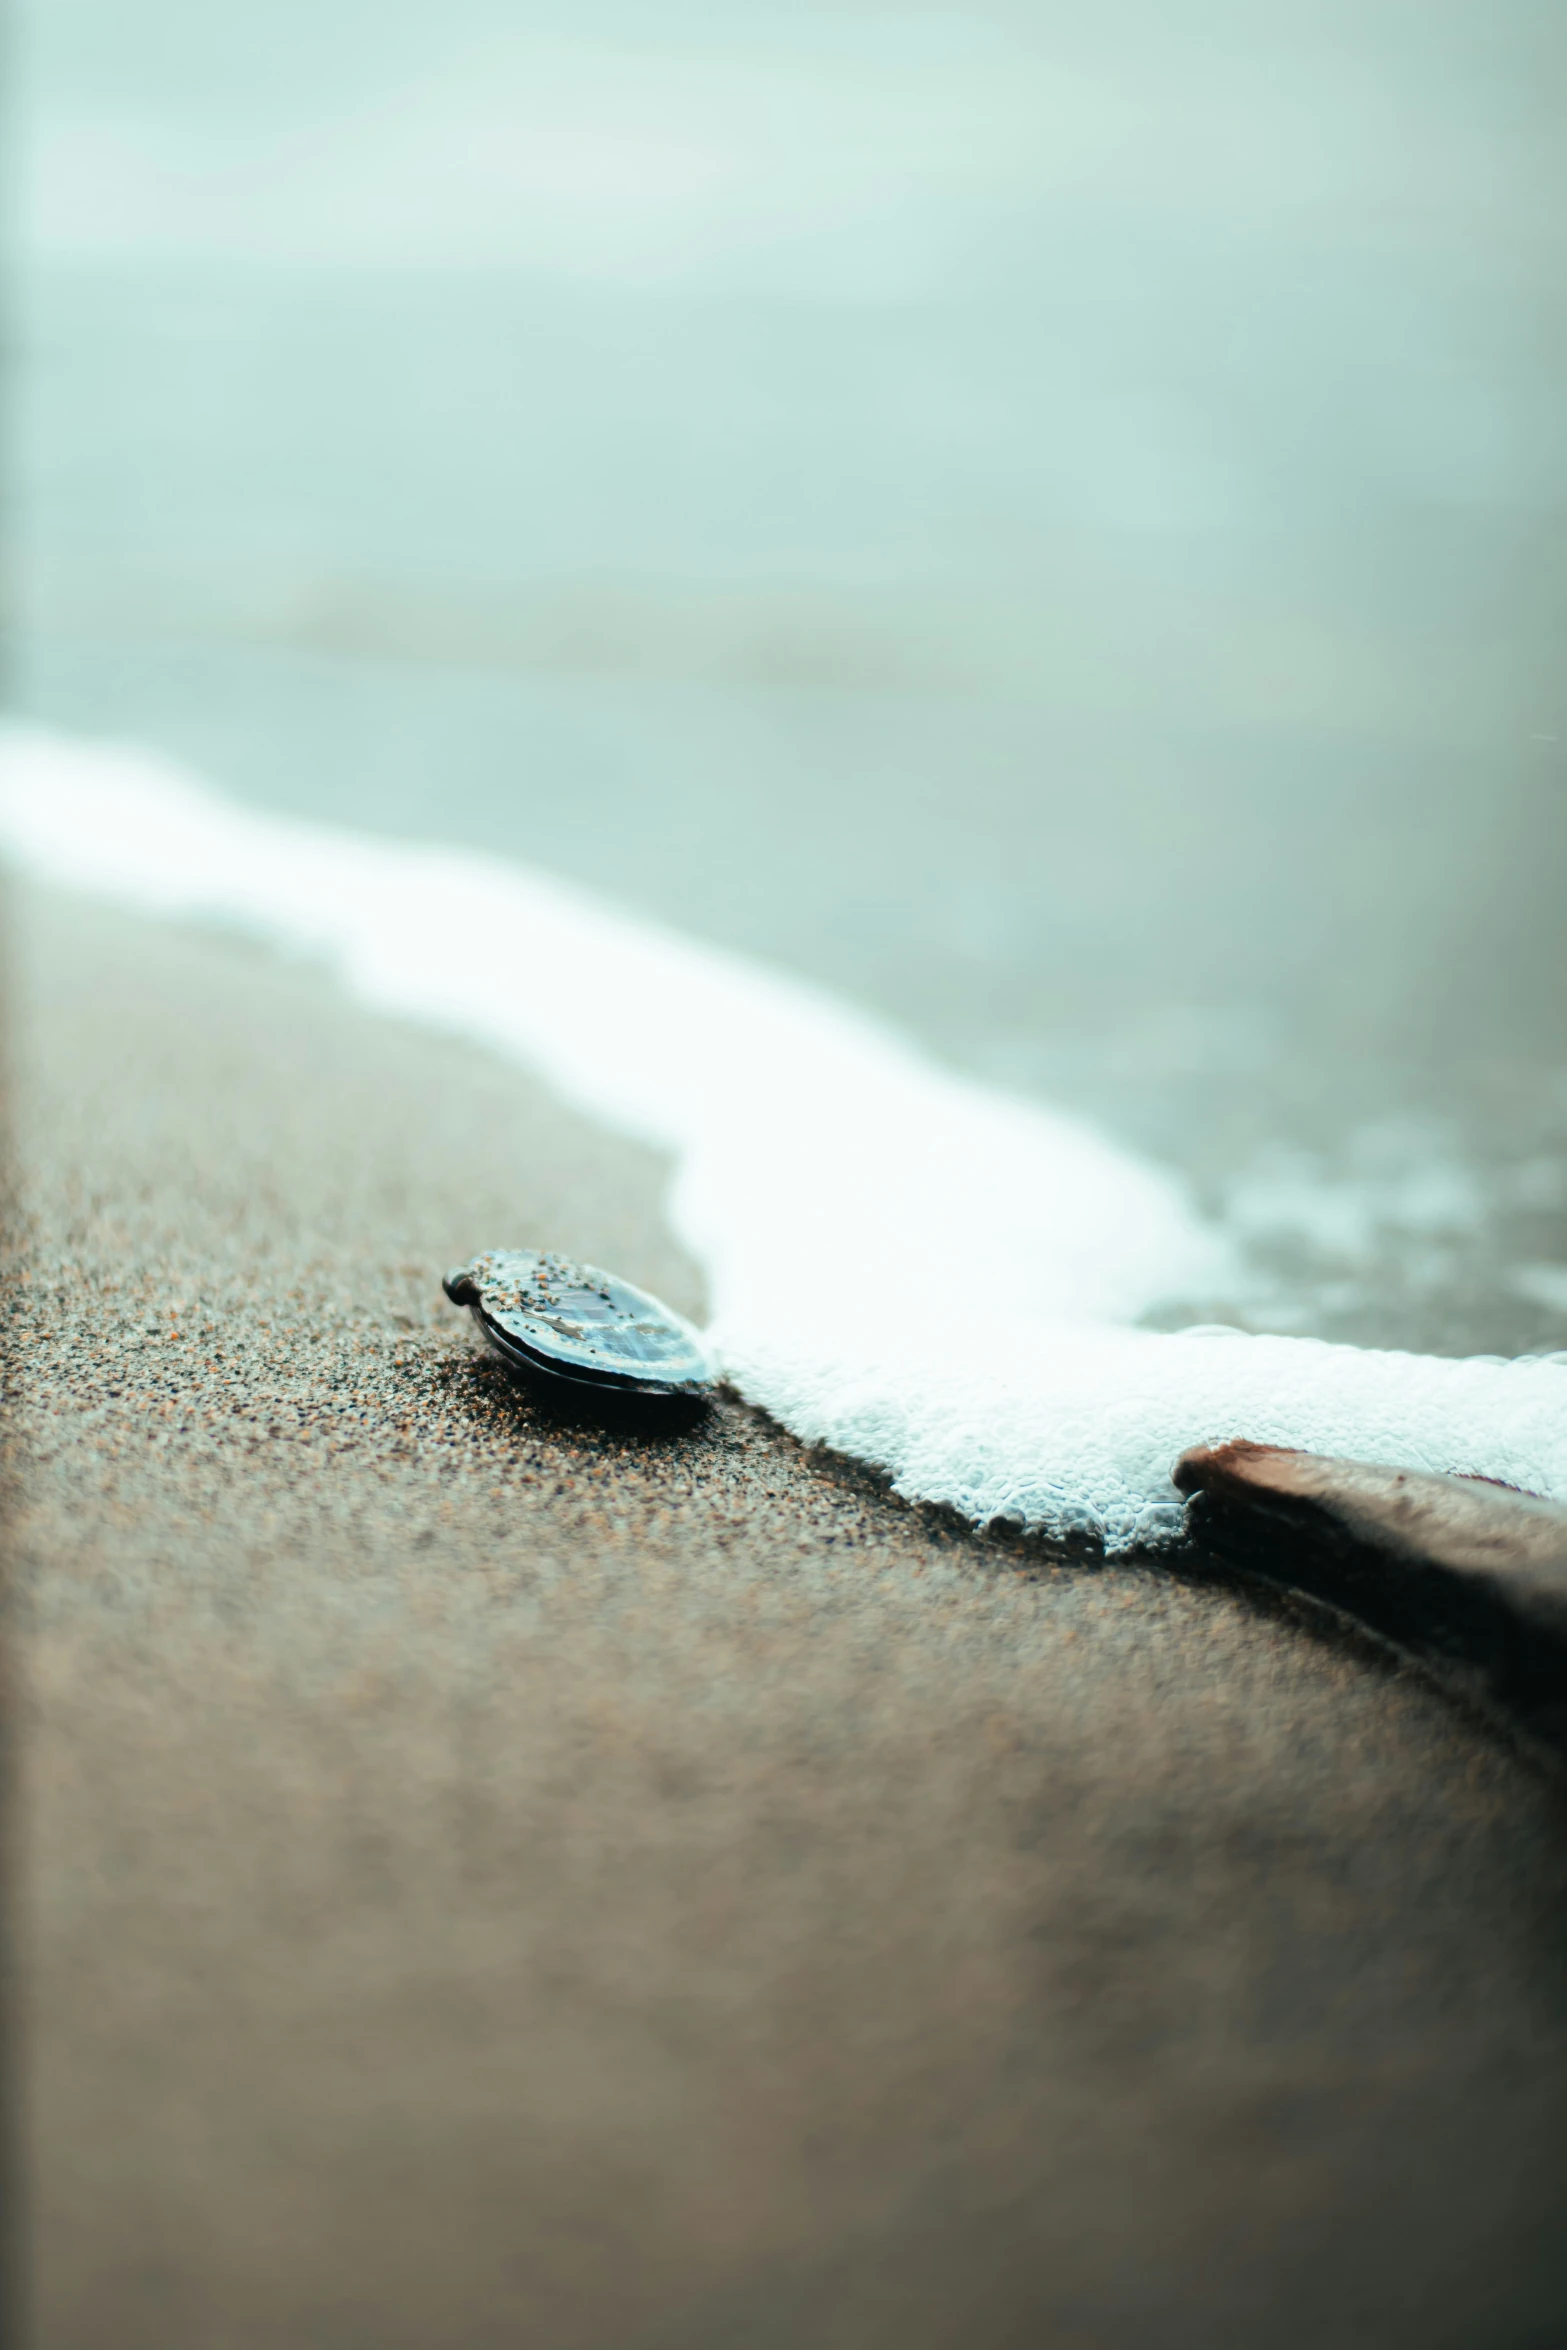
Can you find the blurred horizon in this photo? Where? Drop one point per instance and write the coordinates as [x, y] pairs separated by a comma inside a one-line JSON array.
[[1052, 527]]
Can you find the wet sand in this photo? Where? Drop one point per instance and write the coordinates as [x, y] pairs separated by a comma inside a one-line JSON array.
[[491, 1882]]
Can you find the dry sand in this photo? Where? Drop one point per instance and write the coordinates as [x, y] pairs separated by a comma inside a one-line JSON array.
[[489, 1883]]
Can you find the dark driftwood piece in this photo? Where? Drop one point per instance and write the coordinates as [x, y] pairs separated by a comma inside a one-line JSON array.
[[1468, 1576]]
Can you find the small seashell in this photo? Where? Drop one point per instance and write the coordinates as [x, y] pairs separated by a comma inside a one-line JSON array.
[[572, 1328]]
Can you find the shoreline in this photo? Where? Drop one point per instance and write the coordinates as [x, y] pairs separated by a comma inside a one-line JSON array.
[[950, 1281], [494, 1880]]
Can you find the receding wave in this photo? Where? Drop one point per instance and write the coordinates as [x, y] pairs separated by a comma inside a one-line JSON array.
[[913, 1268]]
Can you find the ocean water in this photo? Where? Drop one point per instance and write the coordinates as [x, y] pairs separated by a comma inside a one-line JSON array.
[[918, 1270], [1047, 529]]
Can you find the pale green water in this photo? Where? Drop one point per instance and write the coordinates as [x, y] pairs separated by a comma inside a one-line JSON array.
[[1055, 529]]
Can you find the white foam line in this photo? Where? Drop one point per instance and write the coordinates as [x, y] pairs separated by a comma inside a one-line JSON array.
[[905, 1265]]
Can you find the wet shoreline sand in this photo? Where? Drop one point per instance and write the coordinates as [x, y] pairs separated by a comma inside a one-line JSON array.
[[491, 1880]]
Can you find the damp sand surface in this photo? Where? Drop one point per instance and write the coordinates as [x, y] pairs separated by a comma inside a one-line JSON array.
[[489, 1880]]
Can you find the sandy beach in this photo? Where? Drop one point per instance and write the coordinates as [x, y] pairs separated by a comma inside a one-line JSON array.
[[492, 1882]]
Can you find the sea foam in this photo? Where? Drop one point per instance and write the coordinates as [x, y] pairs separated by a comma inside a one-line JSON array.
[[915, 1269]]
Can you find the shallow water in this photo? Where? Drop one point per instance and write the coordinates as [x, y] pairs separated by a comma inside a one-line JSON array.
[[1053, 533], [921, 1272]]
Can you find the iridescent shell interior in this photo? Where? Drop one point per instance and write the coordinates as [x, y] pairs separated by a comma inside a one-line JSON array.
[[575, 1322]]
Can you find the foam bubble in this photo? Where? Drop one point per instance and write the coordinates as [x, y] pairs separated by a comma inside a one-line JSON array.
[[913, 1268]]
